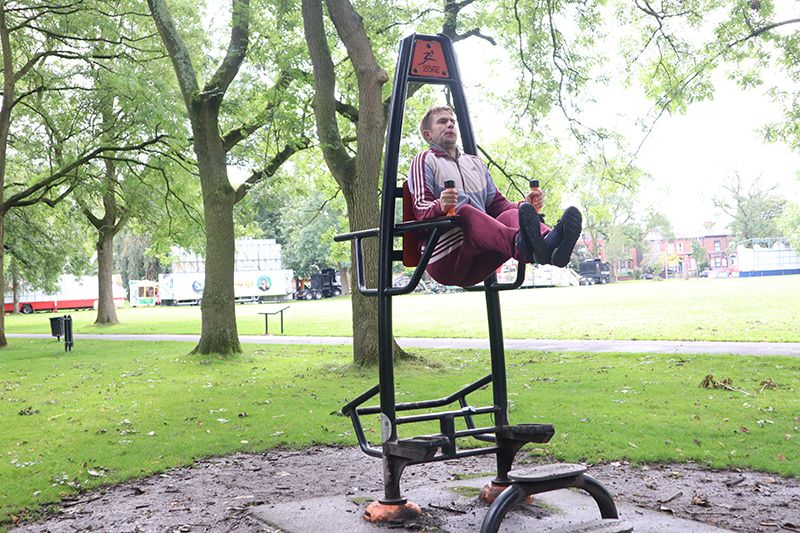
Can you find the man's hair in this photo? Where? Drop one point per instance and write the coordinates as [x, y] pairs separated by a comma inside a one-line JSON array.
[[425, 124]]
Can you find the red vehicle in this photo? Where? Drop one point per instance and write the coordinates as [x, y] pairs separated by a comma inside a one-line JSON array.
[[73, 293]]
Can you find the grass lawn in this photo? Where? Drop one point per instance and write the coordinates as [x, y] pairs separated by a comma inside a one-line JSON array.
[[736, 309], [109, 411]]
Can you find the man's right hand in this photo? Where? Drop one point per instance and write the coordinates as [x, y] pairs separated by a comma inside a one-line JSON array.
[[448, 200]]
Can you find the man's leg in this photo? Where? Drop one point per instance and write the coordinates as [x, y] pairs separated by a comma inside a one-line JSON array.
[[488, 243], [464, 269], [482, 232]]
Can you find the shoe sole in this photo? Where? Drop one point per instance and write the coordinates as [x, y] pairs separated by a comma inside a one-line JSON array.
[[531, 232], [573, 225]]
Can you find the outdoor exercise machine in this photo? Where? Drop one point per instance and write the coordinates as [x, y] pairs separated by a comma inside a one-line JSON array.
[[429, 59]]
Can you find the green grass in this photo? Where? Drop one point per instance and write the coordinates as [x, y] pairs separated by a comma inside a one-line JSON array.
[[110, 411], [746, 309]]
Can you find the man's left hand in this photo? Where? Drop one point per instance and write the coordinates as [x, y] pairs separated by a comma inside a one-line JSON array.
[[536, 199]]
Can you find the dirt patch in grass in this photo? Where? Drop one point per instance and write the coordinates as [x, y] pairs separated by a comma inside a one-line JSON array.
[[217, 494]]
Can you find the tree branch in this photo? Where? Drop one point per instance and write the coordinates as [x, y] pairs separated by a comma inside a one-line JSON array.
[[272, 167], [238, 134], [237, 49], [341, 164], [184, 70], [55, 178]]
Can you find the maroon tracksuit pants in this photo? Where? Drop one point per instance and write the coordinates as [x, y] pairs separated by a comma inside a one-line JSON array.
[[488, 243]]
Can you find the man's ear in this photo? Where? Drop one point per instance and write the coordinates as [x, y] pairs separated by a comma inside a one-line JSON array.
[[426, 134]]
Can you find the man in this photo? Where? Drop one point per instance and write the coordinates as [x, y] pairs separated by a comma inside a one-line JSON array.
[[492, 228]]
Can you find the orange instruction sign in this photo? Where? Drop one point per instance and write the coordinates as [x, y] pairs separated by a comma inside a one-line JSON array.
[[428, 60]]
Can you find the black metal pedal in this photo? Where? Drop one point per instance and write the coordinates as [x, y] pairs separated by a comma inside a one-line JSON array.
[[609, 525], [527, 432], [417, 448]]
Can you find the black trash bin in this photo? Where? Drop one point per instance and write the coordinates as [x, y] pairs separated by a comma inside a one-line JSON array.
[[57, 327]]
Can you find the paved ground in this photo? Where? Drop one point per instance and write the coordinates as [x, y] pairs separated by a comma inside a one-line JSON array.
[[683, 347], [325, 490]]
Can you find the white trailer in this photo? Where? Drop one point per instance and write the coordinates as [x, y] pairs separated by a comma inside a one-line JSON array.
[[73, 292], [186, 288]]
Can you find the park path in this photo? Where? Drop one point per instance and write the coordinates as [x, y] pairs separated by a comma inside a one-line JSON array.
[[549, 345]]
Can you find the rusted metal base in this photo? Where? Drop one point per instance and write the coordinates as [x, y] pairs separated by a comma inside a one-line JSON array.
[[491, 491], [382, 512]]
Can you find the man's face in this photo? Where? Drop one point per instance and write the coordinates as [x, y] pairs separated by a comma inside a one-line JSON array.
[[443, 130]]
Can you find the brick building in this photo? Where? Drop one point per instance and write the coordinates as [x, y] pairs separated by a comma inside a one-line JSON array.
[[676, 254]]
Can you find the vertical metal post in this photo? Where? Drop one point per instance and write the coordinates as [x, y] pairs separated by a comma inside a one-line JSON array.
[[499, 387], [68, 340], [391, 470]]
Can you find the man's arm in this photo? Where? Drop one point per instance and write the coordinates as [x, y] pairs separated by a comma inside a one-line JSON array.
[[421, 185]]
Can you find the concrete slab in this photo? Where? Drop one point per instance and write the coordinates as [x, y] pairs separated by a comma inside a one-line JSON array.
[[453, 507]]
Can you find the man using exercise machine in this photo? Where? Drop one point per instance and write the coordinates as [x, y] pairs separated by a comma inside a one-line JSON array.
[[492, 228]]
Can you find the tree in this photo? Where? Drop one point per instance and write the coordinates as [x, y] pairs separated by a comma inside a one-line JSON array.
[[44, 50], [118, 189], [677, 48], [364, 38], [41, 243], [789, 224], [607, 189], [699, 256], [356, 175], [132, 257], [203, 105], [305, 222], [754, 209]]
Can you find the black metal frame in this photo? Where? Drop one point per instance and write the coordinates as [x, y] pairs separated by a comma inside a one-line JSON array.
[[398, 453], [505, 440]]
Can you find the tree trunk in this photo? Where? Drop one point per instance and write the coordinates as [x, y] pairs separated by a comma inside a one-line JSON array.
[[5, 127], [106, 312], [362, 209], [219, 333], [12, 266], [347, 285]]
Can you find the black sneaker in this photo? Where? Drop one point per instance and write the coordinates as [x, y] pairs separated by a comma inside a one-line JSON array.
[[571, 226], [532, 234]]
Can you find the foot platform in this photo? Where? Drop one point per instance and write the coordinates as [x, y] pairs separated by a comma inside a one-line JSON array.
[[543, 473], [546, 478]]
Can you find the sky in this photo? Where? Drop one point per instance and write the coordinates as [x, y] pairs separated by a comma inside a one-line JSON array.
[[690, 157]]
